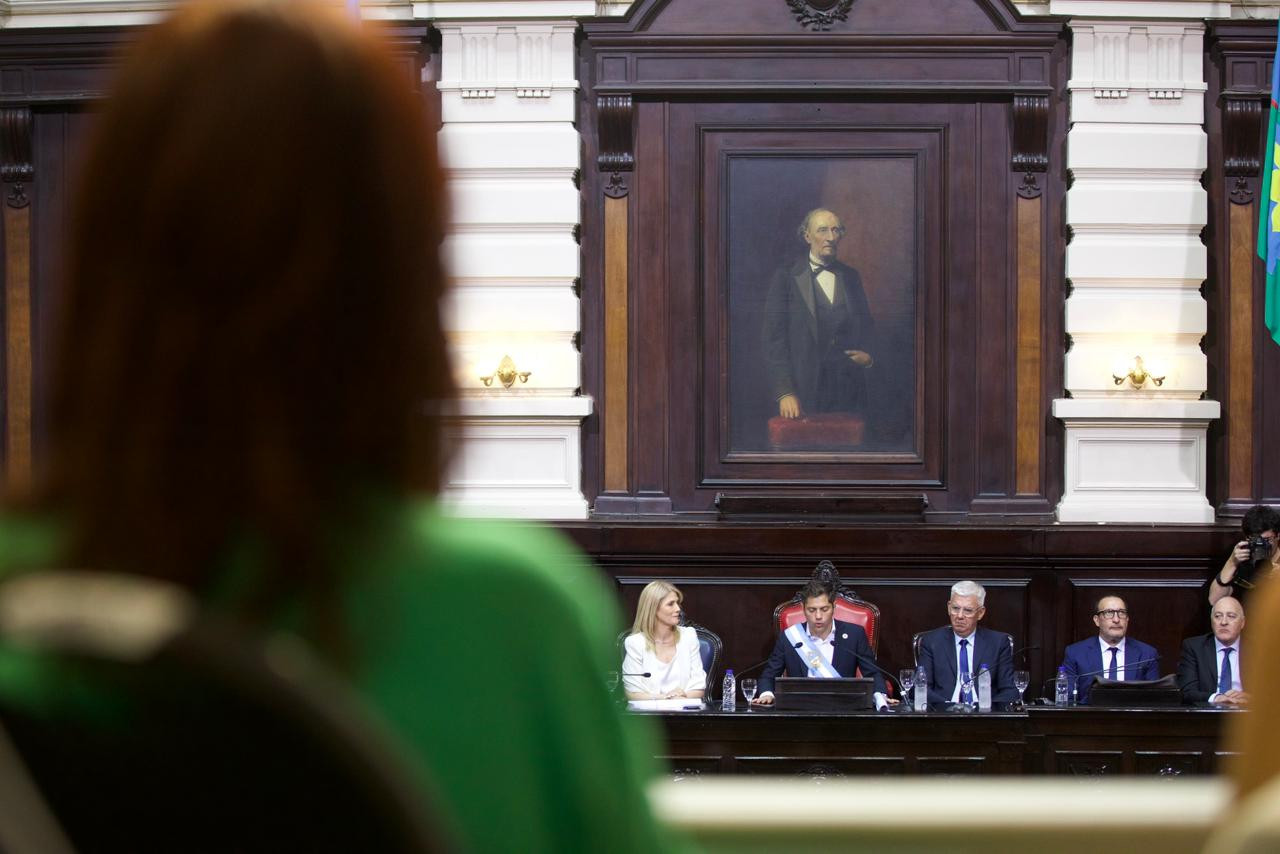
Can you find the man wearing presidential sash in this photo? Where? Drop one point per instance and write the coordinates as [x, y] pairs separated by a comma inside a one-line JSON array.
[[822, 647]]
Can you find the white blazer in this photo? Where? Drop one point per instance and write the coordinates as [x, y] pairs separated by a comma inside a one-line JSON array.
[[683, 673]]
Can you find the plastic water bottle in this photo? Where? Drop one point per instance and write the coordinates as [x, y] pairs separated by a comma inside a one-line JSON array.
[[1060, 688], [966, 688], [922, 690], [984, 689], [729, 693]]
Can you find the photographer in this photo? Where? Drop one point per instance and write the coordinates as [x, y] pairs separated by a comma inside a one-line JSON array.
[[1253, 559]]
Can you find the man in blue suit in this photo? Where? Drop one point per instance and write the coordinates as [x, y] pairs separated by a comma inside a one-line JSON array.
[[1111, 654], [962, 647], [822, 647]]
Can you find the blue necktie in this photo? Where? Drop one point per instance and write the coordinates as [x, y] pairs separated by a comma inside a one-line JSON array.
[[964, 669], [1111, 671], [1224, 674]]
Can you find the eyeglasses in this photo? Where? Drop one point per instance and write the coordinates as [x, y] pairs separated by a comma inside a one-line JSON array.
[[961, 611], [828, 231], [1112, 613]]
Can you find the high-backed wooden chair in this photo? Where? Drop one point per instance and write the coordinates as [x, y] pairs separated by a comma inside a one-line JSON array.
[[848, 607]]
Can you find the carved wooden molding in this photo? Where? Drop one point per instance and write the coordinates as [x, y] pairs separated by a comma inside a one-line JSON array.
[[819, 15], [16, 170], [16, 167], [617, 187], [1241, 126], [615, 121], [1030, 125]]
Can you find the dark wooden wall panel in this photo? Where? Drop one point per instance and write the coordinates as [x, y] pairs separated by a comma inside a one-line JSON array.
[[1244, 364], [60, 136], [58, 76], [945, 83], [1041, 582]]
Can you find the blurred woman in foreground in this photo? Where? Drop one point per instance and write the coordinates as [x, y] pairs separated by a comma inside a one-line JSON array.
[[246, 401]]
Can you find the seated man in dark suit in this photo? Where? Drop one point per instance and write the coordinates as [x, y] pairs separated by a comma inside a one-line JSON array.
[[1126, 658], [962, 647], [1209, 670], [822, 647]]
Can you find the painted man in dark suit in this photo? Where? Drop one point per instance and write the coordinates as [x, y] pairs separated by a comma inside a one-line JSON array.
[[821, 647], [1209, 670], [1110, 654], [948, 651], [817, 327]]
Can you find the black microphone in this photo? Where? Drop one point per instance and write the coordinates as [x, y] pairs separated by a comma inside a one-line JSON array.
[[860, 657], [1104, 671], [1025, 650], [1077, 676], [760, 664], [646, 674]]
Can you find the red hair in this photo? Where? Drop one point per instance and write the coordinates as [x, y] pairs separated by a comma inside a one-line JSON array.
[[250, 337]]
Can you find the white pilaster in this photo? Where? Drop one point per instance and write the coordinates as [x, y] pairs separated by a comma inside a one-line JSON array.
[[89, 13], [518, 458], [1136, 150], [508, 99]]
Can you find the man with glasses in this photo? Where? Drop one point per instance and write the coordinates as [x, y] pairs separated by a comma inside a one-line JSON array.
[[817, 327], [1112, 654], [950, 652], [1210, 669]]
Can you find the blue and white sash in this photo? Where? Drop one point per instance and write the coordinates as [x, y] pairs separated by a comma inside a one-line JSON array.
[[818, 666]]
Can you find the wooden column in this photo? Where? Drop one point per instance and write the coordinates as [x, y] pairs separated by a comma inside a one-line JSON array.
[[1031, 158], [1029, 371], [614, 115], [616, 349], [16, 171], [1241, 123]]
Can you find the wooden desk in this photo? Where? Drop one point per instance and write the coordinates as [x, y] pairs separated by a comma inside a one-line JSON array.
[[1041, 740]]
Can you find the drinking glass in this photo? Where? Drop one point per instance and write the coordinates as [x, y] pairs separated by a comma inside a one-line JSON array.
[[611, 680], [1021, 679], [906, 680], [967, 687], [749, 691]]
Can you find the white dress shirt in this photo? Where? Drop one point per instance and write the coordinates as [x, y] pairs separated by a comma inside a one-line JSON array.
[[1236, 684], [826, 279], [682, 673], [826, 647], [1106, 659]]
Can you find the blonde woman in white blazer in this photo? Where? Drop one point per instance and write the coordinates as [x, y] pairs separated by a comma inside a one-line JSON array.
[[662, 648]]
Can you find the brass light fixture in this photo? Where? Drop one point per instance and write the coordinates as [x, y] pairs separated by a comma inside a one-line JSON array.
[[506, 374], [1138, 375]]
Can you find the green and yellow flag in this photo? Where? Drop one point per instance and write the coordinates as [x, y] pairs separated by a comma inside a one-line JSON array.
[[1269, 223]]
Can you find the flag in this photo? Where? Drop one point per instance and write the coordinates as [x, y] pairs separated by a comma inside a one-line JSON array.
[[1269, 218]]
